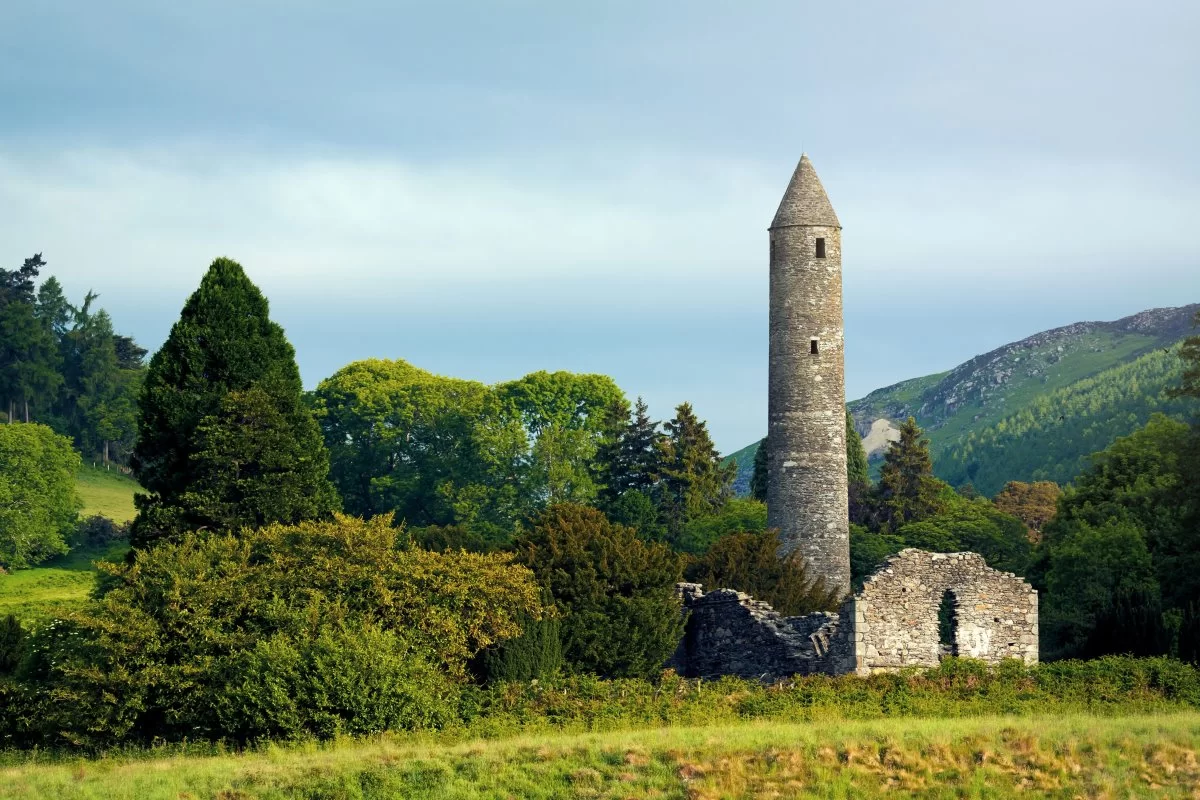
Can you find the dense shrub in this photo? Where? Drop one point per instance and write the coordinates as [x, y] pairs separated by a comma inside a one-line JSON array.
[[614, 591], [12, 644], [208, 637], [535, 654], [956, 688], [750, 563], [98, 531]]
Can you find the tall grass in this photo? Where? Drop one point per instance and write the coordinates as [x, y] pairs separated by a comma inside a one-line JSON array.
[[1067, 756]]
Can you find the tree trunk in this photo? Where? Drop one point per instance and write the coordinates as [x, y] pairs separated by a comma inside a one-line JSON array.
[[106, 453], [27, 409]]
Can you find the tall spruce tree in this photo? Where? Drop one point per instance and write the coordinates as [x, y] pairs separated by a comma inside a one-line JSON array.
[[641, 455], [695, 483], [857, 473], [609, 469], [907, 488], [224, 439]]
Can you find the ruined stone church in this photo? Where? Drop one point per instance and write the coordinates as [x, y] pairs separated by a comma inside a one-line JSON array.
[[893, 621]]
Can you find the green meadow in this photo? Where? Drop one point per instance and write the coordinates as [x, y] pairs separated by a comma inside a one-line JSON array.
[[36, 594], [986, 757]]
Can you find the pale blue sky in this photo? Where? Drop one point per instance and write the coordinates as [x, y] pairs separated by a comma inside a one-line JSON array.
[[490, 188]]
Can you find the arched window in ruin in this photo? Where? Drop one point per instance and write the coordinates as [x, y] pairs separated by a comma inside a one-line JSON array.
[[948, 624]]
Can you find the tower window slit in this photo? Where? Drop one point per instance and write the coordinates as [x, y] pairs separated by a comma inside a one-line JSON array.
[[813, 347], [820, 248]]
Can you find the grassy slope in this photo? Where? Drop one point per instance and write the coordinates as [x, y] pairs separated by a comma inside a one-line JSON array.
[[107, 493], [1074, 755], [42, 592]]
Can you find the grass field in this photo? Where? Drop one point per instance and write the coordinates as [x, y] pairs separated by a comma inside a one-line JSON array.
[[42, 592], [1062, 756], [107, 493]]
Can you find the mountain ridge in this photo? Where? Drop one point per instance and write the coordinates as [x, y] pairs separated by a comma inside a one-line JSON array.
[[980, 393]]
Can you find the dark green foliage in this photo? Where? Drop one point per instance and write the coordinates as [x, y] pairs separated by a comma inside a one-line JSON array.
[[1189, 354], [695, 482], [975, 526], [537, 654], [313, 629], [758, 480], [12, 644], [868, 550], [97, 531], [223, 436], [740, 515], [354, 678], [635, 509], [1131, 625], [750, 563], [1189, 634], [908, 492], [1088, 569], [29, 358], [38, 503], [857, 472], [615, 592]]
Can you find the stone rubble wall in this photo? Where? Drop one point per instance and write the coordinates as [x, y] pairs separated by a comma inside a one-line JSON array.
[[731, 633], [891, 624]]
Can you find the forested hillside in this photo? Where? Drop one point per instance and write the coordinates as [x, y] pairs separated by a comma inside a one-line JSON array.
[[1033, 409]]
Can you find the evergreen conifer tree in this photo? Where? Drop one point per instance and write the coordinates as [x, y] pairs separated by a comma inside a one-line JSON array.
[[857, 473], [609, 469], [907, 488], [640, 452], [695, 483], [758, 480], [224, 438]]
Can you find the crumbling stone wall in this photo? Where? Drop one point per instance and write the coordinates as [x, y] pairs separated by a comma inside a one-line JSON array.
[[896, 613], [731, 633], [892, 623]]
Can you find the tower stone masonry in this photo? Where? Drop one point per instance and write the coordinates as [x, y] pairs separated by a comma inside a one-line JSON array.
[[807, 497]]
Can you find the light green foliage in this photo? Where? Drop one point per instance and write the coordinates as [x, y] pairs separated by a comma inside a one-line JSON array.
[[739, 515], [614, 591], [196, 410], [750, 563], [38, 503], [443, 451], [207, 636]]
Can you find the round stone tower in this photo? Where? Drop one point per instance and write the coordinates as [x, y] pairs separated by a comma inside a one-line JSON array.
[[806, 404]]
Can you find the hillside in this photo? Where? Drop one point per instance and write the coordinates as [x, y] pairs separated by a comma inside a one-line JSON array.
[[1036, 408]]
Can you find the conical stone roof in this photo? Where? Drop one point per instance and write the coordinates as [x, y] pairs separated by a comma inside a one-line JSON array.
[[805, 201]]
